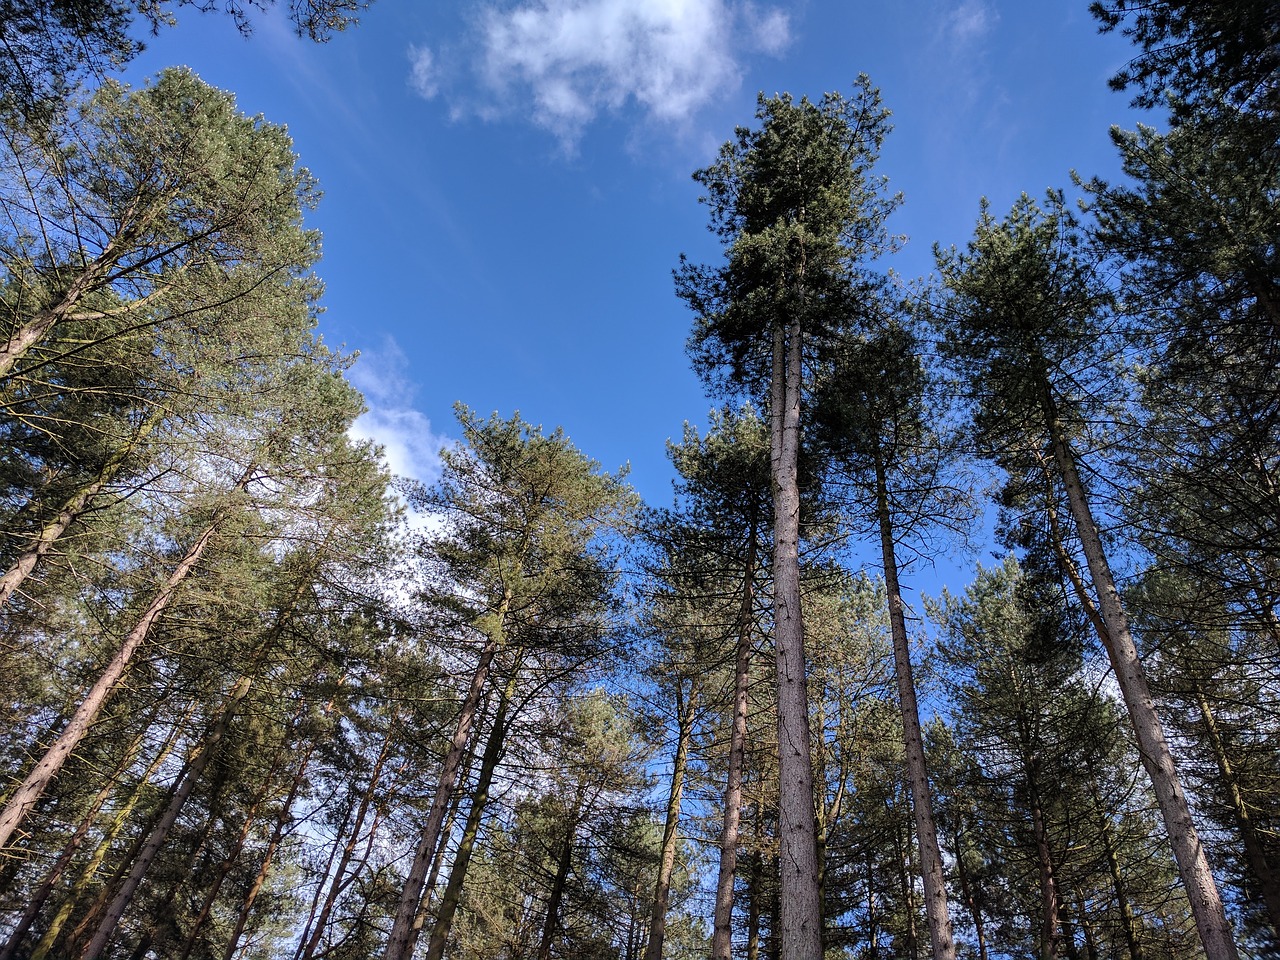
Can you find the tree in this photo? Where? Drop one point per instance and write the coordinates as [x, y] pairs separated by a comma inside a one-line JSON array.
[[48, 47], [1026, 323], [877, 425], [1042, 791], [712, 579], [798, 211], [1199, 52], [519, 563]]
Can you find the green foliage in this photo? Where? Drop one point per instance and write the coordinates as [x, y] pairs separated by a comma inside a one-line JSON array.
[[1199, 52], [800, 214]]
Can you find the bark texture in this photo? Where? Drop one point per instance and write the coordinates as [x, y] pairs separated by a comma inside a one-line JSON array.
[[801, 907]]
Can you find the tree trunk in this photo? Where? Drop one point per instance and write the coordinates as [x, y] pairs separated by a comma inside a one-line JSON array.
[[48, 767], [970, 901], [722, 926], [801, 907], [902, 854], [755, 880], [1132, 929], [452, 896], [41, 893], [1255, 855], [561, 879], [1050, 899], [88, 876], [1193, 866], [160, 832], [264, 868], [309, 944], [404, 931], [72, 509], [935, 890], [686, 707]]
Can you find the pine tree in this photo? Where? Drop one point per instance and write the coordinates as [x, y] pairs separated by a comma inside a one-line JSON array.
[[799, 213], [1027, 323]]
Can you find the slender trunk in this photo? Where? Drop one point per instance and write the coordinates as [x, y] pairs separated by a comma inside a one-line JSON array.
[[818, 724], [1129, 923], [1193, 865], [1090, 939], [801, 908], [1268, 884], [24, 798], [755, 880], [404, 931], [902, 851], [935, 889], [722, 926], [773, 942], [686, 707], [264, 868], [558, 884], [74, 507], [1050, 901], [452, 896], [966, 891], [88, 876], [160, 832], [309, 944], [41, 893], [242, 838], [312, 929], [873, 914]]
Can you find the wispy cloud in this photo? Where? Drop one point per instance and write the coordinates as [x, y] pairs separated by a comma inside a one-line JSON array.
[[566, 62], [423, 73], [411, 447], [967, 23]]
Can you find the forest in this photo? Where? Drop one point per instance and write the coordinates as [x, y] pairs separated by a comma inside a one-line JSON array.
[[265, 699]]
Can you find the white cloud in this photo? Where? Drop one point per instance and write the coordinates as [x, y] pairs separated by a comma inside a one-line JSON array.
[[423, 74], [564, 62], [969, 22], [411, 448]]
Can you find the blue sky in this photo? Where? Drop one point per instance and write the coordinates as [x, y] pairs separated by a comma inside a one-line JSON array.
[[507, 184]]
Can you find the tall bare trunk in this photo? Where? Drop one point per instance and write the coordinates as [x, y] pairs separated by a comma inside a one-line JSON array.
[[722, 927], [1153, 747], [564, 860], [906, 870], [801, 905], [160, 832], [1050, 898], [685, 707], [48, 767], [966, 891], [404, 931], [755, 896], [935, 889], [452, 896], [1255, 854]]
